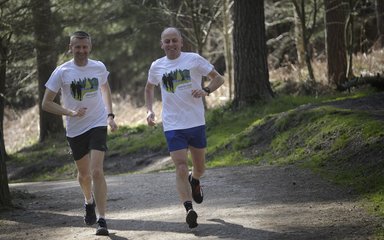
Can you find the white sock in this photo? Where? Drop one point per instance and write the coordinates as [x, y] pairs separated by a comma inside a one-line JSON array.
[[89, 201]]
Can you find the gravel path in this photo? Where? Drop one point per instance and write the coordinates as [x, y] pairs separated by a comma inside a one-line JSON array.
[[266, 202]]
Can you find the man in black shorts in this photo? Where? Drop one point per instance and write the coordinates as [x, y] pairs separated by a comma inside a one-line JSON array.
[[88, 111]]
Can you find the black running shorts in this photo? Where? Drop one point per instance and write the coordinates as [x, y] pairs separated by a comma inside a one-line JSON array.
[[95, 138]]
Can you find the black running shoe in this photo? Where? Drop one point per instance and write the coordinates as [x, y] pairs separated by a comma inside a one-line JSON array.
[[197, 190], [191, 218], [102, 229], [90, 214]]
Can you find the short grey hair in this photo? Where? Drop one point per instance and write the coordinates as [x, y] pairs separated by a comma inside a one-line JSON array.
[[80, 35], [171, 28]]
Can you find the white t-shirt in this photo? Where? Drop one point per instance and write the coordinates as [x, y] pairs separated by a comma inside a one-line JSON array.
[[177, 78], [80, 87]]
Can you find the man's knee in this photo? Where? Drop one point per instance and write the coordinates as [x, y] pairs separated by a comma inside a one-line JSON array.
[[199, 170], [97, 174], [182, 169], [83, 177]]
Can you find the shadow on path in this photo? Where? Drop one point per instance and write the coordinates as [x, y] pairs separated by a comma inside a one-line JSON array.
[[218, 228]]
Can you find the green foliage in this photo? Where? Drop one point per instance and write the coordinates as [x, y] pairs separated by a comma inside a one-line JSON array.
[[226, 125], [17, 44], [68, 170], [342, 144], [128, 140], [54, 147], [50, 160], [309, 135]]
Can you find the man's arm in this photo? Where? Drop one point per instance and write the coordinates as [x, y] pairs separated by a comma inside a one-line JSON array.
[[107, 98], [50, 106], [149, 96], [216, 80]]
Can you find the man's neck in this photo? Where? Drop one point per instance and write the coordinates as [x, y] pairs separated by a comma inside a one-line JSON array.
[[81, 63]]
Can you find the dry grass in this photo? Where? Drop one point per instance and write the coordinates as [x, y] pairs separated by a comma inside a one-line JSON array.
[[21, 128], [369, 64], [363, 64]]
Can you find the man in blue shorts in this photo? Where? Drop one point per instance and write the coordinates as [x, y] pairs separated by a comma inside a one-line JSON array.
[[179, 75], [87, 106]]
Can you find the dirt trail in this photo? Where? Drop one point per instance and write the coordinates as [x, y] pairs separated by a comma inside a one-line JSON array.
[[240, 203]]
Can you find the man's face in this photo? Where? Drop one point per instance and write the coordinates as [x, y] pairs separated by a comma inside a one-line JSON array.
[[80, 48], [171, 43]]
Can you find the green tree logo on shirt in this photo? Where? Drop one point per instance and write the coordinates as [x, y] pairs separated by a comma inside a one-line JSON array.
[[81, 87]]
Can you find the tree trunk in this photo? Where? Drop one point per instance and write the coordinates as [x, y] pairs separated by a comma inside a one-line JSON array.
[[299, 41], [335, 17], [4, 43], [46, 56], [250, 54], [5, 196], [227, 45], [349, 40], [380, 23], [305, 34]]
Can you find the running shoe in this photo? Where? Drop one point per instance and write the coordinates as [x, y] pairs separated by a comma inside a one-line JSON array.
[[102, 229], [191, 218], [90, 214], [197, 190]]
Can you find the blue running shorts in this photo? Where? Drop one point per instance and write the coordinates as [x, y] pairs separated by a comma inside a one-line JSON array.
[[182, 138]]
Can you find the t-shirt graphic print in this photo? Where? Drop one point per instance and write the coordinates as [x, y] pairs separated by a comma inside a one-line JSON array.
[[81, 87], [173, 79]]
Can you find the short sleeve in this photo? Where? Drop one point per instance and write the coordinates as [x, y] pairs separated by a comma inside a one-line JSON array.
[[54, 82], [105, 73], [203, 65], [152, 74]]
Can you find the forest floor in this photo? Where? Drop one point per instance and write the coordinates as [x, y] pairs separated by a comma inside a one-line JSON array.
[[249, 202]]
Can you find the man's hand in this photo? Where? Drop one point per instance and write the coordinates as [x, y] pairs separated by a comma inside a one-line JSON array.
[[198, 93], [151, 118], [79, 112], [112, 124]]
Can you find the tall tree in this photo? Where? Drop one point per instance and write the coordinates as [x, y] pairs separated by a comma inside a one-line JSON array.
[[5, 196], [250, 53], [5, 39], [380, 22], [306, 31], [349, 37], [226, 14], [5, 36], [46, 56], [335, 19], [299, 40]]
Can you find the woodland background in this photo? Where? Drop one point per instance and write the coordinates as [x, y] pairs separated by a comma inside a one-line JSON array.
[[261, 47]]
